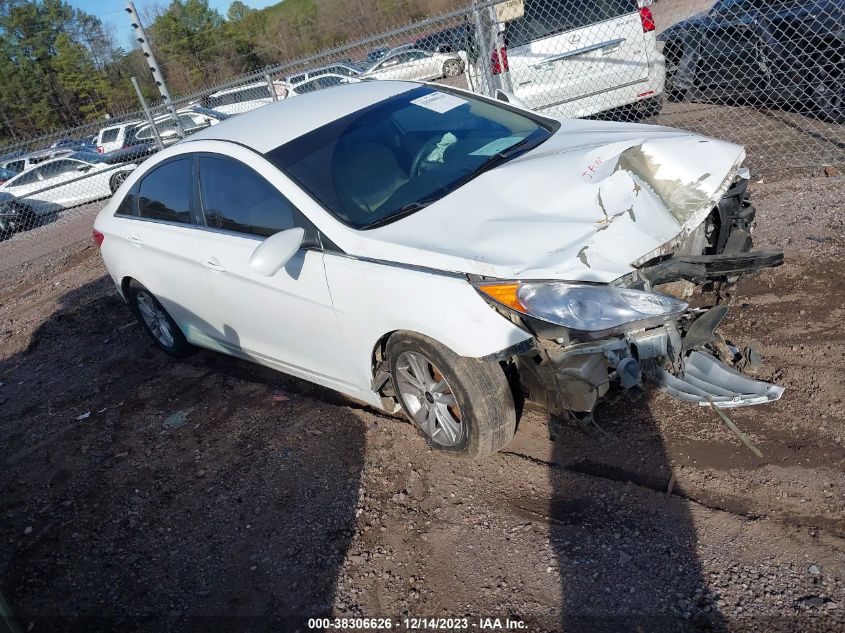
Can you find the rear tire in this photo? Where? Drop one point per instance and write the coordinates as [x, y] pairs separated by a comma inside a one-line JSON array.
[[117, 179], [452, 68], [460, 405], [157, 323], [827, 93]]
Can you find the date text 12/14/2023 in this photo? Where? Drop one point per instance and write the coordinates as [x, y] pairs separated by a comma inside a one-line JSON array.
[[419, 624]]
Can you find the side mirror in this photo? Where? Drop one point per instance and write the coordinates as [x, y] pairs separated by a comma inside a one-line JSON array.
[[275, 251], [83, 168]]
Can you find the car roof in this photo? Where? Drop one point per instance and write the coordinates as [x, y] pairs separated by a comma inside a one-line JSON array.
[[251, 86], [269, 126]]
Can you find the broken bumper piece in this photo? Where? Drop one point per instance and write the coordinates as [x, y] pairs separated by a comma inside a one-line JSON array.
[[708, 381], [686, 358]]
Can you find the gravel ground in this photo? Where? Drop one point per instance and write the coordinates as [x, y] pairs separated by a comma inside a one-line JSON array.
[[142, 494]]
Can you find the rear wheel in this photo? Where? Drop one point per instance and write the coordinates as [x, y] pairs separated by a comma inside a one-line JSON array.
[[452, 68], [828, 93], [157, 323], [672, 53], [460, 405], [117, 179]]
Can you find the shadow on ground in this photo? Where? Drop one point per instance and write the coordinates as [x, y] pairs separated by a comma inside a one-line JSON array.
[[143, 494]]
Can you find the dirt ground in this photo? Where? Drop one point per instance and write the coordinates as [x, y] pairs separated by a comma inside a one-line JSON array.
[[143, 494]]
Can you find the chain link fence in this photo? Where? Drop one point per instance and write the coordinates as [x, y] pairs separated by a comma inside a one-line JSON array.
[[769, 74]]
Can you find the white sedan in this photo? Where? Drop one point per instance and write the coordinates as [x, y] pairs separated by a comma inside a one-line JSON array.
[[429, 250], [416, 65], [61, 183]]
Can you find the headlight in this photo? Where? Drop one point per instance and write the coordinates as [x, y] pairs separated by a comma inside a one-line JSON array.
[[594, 310]]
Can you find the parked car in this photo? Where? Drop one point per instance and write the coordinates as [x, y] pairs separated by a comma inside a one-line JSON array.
[[26, 161], [782, 51], [62, 183], [6, 174], [417, 65], [576, 58], [244, 98], [15, 215], [450, 40], [113, 137], [429, 250], [318, 83], [74, 145], [343, 69], [192, 119]]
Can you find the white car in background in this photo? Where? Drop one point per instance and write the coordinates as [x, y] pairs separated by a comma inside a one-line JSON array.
[[192, 119], [575, 58], [416, 65], [426, 249], [319, 82], [345, 69], [244, 98], [62, 183], [113, 137], [21, 163]]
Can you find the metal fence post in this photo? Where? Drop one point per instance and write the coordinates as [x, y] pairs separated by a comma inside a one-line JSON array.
[[158, 78], [147, 112], [272, 87]]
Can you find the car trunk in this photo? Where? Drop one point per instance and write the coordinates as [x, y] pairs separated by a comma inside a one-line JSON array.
[[561, 51]]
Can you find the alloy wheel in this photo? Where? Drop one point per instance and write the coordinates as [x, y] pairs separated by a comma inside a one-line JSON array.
[[429, 399], [155, 319]]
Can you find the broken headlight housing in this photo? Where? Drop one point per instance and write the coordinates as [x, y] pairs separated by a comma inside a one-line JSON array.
[[593, 311]]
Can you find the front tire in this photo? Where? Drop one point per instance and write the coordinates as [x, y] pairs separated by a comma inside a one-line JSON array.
[[460, 405], [157, 323]]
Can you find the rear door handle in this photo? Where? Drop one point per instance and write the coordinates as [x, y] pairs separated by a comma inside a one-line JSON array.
[[137, 241], [214, 264]]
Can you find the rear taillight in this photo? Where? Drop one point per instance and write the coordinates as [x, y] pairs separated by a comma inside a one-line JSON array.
[[499, 61], [647, 19], [98, 237], [101, 149]]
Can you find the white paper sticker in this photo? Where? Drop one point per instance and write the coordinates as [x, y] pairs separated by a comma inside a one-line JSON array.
[[439, 102], [494, 147]]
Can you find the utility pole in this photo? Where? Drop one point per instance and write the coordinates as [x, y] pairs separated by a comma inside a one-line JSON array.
[[158, 78]]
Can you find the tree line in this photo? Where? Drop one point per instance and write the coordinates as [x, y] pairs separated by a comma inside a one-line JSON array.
[[61, 67]]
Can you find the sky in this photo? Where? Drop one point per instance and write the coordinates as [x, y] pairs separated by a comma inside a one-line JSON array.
[[113, 10]]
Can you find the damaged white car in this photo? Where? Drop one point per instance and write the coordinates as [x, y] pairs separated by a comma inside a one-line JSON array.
[[422, 248]]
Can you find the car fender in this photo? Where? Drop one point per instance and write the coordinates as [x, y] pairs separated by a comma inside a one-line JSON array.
[[374, 298]]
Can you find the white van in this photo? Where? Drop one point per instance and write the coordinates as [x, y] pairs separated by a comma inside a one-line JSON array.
[[244, 98], [575, 58], [112, 137]]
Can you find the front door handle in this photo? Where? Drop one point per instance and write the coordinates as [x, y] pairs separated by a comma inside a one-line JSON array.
[[136, 241], [214, 264]]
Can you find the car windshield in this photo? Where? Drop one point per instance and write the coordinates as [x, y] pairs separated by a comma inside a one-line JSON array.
[[393, 158]]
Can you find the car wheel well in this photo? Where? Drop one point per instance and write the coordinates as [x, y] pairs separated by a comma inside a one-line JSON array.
[[124, 286]]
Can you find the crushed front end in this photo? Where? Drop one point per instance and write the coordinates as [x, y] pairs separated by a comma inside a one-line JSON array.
[[597, 341]]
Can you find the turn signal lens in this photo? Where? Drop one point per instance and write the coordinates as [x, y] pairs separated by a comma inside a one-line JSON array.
[[505, 293], [98, 237]]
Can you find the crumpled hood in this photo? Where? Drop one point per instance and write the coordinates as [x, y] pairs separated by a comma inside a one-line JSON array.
[[584, 205]]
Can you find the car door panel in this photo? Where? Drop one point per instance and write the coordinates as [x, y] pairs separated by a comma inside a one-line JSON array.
[[288, 317]]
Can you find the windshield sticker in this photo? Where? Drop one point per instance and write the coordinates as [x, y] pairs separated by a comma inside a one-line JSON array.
[[439, 102], [494, 147]]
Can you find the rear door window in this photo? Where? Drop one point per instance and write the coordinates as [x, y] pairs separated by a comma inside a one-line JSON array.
[[166, 192], [544, 18], [236, 198]]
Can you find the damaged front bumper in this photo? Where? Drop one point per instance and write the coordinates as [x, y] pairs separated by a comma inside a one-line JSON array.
[[687, 359]]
